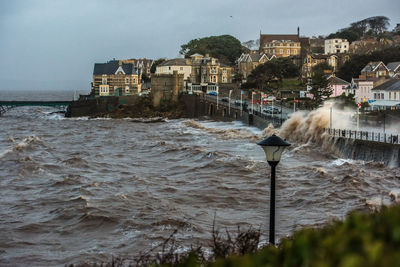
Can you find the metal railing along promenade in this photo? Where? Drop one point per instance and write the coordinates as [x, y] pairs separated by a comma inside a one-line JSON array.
[[364, 135], [275, 118]]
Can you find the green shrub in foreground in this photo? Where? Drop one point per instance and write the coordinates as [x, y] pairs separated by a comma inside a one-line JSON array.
[[361, 240]]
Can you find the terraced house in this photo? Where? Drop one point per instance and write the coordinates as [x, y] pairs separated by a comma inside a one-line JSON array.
[[247, 62], [116, 78]]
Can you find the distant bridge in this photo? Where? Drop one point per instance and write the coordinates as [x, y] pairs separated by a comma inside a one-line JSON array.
[[6, 105]]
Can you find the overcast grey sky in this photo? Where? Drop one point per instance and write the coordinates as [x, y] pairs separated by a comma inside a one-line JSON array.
[[54, 43]]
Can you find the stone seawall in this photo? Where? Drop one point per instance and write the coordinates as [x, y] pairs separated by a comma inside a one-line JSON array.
[[197, 107], [368, 151], [98, 106]]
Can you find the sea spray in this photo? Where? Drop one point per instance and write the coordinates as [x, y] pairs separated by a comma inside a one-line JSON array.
[[310, 127]]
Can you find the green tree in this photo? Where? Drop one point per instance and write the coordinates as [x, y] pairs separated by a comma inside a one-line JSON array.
[[237, 78], [378, 24], [224, 47], [271, 74], [249, 44], [320, 88], [323, 67], [352, 67], [371, 26], [350, 34], [155, 64]]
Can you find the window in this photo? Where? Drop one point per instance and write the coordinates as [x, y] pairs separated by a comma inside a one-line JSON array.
[[288, 51], [281, 44], [126, 89], [181, 68], [390, 96], [169, 68], [134, 80], [104, 81], [126, 80], [281, 51]]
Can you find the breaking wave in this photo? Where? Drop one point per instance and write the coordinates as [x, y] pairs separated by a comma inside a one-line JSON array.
[[21, 145]]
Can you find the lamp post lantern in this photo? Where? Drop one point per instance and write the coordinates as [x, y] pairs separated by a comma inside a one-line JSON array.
[[273, 147]]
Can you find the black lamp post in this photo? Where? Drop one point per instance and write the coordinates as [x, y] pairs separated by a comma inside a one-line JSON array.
[[273, 147]]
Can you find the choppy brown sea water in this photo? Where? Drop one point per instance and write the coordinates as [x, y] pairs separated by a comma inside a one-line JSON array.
[[76, 190]]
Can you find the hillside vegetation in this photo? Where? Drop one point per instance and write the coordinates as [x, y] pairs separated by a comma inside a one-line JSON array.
[[353, 67]]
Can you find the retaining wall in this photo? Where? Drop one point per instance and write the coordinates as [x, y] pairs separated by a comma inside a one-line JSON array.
[[347, 148]]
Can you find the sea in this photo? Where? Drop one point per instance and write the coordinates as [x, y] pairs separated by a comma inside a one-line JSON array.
[[82, 190]]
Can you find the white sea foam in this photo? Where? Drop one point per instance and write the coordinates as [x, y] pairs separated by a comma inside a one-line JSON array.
[[395, 195], [375, 203], [21, 145], [340, 162]]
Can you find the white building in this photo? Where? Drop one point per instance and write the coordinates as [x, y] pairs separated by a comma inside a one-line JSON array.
[[386, 95], [179, 64], [334, 46]]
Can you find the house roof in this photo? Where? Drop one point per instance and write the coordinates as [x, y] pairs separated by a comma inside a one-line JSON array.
[[224, 66], [112, 66], [267, 38], [174, 62], [385, 103], [336, 80], [196, 55], [391, 85], [393, 66], [372, 66], [319, 56], [254, 57], [369, 79], [141, 62]]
